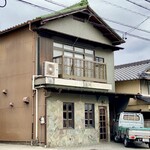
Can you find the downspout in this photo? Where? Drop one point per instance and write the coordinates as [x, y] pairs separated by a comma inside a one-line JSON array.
[[33, 88], [36, 95]]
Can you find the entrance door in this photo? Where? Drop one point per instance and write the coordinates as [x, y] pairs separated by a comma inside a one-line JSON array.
[[103, 124]]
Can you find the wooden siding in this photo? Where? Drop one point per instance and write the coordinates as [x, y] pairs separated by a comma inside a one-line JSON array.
[[45, 51]]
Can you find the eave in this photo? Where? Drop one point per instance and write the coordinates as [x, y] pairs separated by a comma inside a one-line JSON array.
[[49, 33]]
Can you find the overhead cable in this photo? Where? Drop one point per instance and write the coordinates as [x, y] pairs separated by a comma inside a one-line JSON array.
[[147, 1], [34, 5], [138, 5], [46, 9], [132, 35], [4, 4], [58, 4], [118, 6], [136, 27], [125, 25]]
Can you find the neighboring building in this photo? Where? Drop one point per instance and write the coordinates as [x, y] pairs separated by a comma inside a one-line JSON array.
[[134, 78], [57, 79]]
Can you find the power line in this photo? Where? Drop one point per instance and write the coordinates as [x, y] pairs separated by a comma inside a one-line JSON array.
[[147, 1], [125, 33], [34, 5], [126, 9], [136, 27], [138, 5], [4, 4], [58, 4], [125, 25], [132, 35]]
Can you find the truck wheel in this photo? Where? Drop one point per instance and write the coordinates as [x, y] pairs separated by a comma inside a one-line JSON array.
[[149, 145], [116, 139], [126, 142]]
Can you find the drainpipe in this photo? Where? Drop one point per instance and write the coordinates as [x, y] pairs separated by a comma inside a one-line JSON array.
[[36, 115], [33, 88], [36, 90]]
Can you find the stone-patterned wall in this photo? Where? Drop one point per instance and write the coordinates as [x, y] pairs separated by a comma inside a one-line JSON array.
[[57, 135]]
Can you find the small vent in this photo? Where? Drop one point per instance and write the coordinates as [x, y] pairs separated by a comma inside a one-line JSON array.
[[50, 69]]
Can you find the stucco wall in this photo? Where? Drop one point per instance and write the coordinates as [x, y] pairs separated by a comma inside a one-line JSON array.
[[132, 87], [108, 56], [57, 135], [17, 66], [77, 28]]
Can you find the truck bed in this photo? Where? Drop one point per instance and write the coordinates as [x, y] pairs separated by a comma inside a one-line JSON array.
[[140, 132]]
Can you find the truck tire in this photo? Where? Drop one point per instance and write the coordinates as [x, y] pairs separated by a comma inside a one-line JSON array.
[[116, 138], [149, 145], [126, 142]]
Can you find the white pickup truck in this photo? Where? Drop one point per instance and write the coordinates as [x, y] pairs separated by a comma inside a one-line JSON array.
[[130, 129]]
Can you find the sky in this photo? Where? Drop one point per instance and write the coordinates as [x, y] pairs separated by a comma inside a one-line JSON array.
[[130, 21]]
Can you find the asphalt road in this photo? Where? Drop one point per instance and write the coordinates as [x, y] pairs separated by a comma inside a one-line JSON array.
[[102, 146]]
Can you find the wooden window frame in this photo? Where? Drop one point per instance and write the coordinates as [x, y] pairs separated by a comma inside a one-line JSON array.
[[89, 116], [68, 115]]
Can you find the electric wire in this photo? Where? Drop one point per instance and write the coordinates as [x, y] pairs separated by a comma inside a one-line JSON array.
[[147, 1], [4, 4], [126, 9], [124, 33], [125, 25], [34, 5], [136, 27], [132, 35], [55, 3], [138, 5]]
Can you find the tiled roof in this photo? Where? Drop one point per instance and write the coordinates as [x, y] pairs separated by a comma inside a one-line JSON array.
[[131, 71], [77, 6]]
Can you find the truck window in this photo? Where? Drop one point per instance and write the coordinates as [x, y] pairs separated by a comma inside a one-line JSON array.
[[131, 117]]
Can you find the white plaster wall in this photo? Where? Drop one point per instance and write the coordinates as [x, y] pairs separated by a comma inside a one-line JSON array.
[[76, 28]]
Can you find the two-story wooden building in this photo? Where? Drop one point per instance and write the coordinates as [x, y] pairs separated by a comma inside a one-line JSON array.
[[57, 79], [134, 78]]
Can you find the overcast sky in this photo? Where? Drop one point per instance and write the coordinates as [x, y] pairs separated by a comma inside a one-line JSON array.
[[120, 11]]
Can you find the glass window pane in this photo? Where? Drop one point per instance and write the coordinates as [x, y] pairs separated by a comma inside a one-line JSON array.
[[86, 115], [91, 122], [67, 47], [57, 53], [64, 115], [64, 107], [70, 123], [90, 107], [86, 107], [70, 116], [64, 123], [58, 45], [86, 122], [77, 49], [88, 51], [69, 54], [90, 58], [69, 107]]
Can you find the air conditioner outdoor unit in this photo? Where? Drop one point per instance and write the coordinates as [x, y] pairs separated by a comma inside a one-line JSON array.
[[50, 69]]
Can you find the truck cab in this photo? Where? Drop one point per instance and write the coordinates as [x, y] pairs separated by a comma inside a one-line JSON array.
[[131, 120]]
